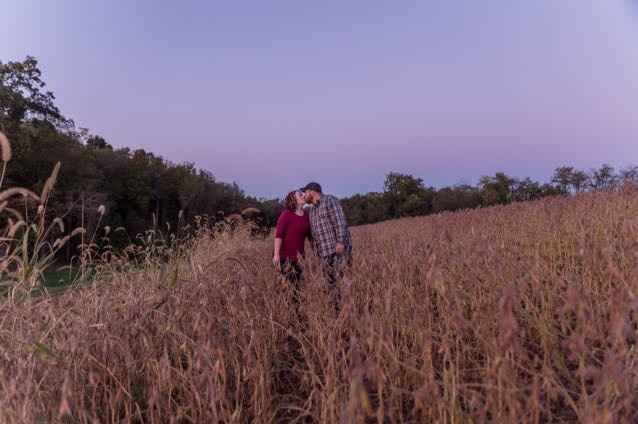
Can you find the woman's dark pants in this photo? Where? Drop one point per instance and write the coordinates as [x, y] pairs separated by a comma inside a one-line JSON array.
[[293, 273]]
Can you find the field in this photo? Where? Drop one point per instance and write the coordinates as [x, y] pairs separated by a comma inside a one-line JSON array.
[[520, 313]]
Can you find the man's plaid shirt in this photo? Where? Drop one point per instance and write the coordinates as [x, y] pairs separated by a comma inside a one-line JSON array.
[[328, 226]]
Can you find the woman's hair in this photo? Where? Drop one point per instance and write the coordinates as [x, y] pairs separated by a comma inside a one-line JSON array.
[[290, 202]]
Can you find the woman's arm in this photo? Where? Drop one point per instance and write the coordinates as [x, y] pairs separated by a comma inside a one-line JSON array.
[[280, 232], [276, 259]]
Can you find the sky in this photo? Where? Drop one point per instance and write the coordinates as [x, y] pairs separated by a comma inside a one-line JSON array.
[[274, 94]]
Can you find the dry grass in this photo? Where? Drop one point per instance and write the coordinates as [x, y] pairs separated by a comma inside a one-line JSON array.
[[523, 313]]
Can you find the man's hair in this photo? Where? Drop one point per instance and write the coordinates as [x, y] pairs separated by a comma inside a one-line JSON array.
[[313, 186], [290, 202]]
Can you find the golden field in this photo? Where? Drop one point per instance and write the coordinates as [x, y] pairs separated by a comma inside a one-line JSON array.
[[519, 313]]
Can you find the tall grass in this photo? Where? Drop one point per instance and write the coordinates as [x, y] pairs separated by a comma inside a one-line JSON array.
[[520, 313], [30, 240]]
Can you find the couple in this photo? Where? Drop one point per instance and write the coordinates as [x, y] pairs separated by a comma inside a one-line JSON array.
[[310, 214]]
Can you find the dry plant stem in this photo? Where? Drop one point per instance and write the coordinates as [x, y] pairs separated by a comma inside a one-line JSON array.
[[5, 149], [4, 170]]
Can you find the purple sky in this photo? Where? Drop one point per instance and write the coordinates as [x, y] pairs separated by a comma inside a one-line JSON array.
[[272, 94]]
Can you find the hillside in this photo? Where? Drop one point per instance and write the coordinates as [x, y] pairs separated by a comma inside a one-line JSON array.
[[518, 313]]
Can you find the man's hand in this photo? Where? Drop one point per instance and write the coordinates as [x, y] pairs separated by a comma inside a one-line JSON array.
[[276, 261], [340, 248]]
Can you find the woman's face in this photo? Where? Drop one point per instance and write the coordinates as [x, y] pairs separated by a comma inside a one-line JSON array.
[[300, 197]]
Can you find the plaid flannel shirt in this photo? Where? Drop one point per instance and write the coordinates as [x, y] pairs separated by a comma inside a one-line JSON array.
[[328, 226]]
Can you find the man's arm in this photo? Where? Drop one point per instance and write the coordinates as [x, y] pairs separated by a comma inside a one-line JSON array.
[[338, 219]]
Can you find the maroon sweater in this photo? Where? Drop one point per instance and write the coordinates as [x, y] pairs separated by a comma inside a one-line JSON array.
[[293, 230]]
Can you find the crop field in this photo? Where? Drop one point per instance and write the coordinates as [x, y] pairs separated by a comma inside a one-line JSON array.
[[519, 313]]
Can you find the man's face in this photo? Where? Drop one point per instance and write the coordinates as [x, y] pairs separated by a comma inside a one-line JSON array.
[[310, 197]]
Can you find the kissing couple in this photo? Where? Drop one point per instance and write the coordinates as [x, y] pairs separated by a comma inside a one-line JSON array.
[[310, 214]]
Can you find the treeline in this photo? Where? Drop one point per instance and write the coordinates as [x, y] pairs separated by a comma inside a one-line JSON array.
[[138, 188], [405, 195]]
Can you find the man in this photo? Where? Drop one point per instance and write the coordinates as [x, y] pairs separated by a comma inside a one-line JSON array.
[[330, 235]]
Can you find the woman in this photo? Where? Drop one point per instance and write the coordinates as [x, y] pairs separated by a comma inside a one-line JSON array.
[[293, 228]]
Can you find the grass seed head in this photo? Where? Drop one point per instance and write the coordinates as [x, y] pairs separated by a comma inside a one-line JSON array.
[[5, 146], [50, 182]]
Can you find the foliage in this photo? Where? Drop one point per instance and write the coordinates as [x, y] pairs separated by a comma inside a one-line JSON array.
[[456, 198], [406, 195], [134, 185]]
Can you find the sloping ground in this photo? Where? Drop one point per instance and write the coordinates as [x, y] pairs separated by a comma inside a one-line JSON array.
[[523, 313]]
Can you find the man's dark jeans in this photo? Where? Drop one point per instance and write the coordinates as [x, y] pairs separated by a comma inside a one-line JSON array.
[[333, 268]]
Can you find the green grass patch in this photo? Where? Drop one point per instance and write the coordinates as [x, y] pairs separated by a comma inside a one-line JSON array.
[[60, 277]]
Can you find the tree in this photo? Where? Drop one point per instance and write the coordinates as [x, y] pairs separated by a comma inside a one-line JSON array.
[[406, 195], [603, 178], [630, 175], [95, 142], [563, 178], [525, 190], [579, 180], [365, 208], [496, 189], [569, 179], [23, 97], [548, 190], [456, 198]]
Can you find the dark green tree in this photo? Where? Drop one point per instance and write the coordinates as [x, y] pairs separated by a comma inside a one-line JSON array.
[[456, 198], [406, 195], [603, 178], [497, 189]]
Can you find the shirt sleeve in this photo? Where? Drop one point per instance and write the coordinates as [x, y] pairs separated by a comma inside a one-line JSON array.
[[338, 219], [282, 225]]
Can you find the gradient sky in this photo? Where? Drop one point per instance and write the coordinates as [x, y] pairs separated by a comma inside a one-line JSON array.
[[272, 94]]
